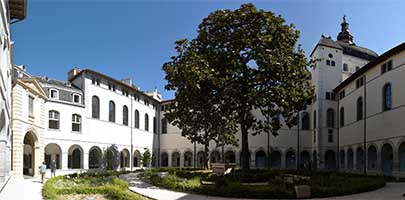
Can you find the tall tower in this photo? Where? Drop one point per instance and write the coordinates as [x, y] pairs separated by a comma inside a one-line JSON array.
[[333, 62]]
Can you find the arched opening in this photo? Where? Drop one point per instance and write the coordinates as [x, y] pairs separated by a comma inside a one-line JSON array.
[[175, 159], [359, 158], [304, 159], [75, 157], [95, 157], [260, 159], [330, 160], [230, 157], [200, 159], [401, 156], [30, 154], [342, 159], [215, 157], [290, 161], [387, 159], [124, 158], [350, 159], [275, 159], [53, 152], [137, 158], [372, 158], [165, 159], [188, 159]]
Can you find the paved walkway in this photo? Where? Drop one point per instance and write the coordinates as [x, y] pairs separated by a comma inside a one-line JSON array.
[[19, 188], [393, 191]]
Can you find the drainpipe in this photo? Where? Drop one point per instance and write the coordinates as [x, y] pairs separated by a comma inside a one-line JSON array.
[[337, 133]]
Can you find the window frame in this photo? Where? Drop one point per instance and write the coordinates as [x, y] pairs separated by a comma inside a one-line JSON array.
[[51, 117], [93, 112], [111, 111], [78, 97], [387, 100], [53, 90], [360, 108], [77, 119]]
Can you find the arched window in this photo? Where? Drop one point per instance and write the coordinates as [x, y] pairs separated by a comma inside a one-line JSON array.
[[305, 121], [111, 111], [53, 119], [360, 108], [154, 124], [342, 116], [164, 126], [330, 118], [95, 107], [76, 123], [387, 97], [125, 115], [136, 119], [345, 67], [146, 122]]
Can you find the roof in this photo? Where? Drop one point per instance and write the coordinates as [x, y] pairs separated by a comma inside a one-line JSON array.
[[348, 49], [57, 83], [131, 87], [399, 48]]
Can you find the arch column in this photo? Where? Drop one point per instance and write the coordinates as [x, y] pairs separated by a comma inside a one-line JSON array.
[[169, 159], [65, 155], [181, 164], [283, 164], [395, 164], [86, 160]]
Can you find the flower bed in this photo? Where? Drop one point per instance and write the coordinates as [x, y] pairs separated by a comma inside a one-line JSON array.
[[105, 183], [252, 184]]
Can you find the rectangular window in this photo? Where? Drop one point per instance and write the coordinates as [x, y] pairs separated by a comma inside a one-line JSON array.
[[76, 123], [53, 120], [30, 106], [76, 98], [328, 95], [386, 67], [328, 62], [332, 63], [333, 96], [359, 82], [330, 136]]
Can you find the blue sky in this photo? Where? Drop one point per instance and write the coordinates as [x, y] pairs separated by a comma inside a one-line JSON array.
[[131, 38]]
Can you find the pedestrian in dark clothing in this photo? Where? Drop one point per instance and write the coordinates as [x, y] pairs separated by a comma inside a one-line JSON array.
[[53, 168]]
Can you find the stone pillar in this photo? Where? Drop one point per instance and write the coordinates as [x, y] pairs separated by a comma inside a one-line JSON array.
[[169, 159], [181, 159], [283, 160], [395, 164], [85, 164], [65, 160]]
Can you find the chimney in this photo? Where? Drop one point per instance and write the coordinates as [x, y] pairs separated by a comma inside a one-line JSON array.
[[73, 72]]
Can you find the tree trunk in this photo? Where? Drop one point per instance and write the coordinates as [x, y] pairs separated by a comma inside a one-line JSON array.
[[245, 160], [206, 155]]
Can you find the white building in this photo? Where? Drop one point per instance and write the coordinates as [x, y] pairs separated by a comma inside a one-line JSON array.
[[73, 121]]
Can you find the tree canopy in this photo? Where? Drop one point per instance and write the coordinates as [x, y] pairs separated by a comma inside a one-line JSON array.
[[241, 61]]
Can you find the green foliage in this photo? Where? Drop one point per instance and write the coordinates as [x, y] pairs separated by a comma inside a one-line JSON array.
[[111, 158], [323, 184], [241, 60], [105, 183], [146, 157]]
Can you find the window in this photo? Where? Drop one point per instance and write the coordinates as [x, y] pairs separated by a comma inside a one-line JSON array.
[[386, 67], [342, 94], [305, 121], [76, 98], [357, 68], [359, 82], [31, 106], [328, 62], [53, 119], [328, 95], [314, 121], [154, 124], [95, 107], [146, 122], [360, 108], [330, 136], [333, 96], [332, 63], [345, 67], [125, 115], [76, 123], [342, 116], [54, 94], [330, 118], [387, 97], [136, 119], [111, 111], [164, 126]]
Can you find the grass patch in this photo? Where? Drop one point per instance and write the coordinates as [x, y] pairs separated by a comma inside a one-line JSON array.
[[105, 183], [323, 184]]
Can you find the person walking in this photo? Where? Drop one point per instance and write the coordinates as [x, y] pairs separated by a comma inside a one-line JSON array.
[[53, 168], [42, 170]]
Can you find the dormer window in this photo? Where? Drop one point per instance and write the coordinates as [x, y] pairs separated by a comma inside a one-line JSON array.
[[76, 98], [54, 94]]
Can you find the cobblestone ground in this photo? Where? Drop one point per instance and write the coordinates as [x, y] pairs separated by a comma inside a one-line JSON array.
[[392, 191]]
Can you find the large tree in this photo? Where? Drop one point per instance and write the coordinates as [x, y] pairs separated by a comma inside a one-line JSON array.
[[249, 61]]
